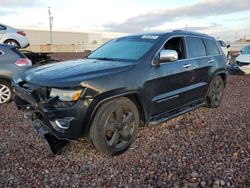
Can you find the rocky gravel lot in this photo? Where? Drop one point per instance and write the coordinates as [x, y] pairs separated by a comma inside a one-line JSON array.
[[204, 148]]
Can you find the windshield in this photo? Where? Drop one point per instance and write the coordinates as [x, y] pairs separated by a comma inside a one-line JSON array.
[[128, 48], [246, 51]]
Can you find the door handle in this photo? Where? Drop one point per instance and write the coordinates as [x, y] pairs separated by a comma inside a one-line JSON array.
[[211, 61], [187, 65]]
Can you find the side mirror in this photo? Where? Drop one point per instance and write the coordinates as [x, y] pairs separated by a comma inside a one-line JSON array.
[[228, 46], [168, 56]]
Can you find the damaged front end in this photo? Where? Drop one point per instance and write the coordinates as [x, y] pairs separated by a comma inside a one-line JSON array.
[[56, 120]]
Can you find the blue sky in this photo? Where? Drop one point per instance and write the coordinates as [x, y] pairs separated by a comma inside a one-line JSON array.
[[222, 19]]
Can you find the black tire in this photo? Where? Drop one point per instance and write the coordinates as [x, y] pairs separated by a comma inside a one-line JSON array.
[[115, 126], [215, 92], [13, 43], [6, 92]]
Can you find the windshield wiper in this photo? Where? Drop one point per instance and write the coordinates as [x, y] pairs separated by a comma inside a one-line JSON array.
[[104, 58]]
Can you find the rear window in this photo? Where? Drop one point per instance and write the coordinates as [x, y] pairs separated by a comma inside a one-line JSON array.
[[196, 47], [212, 48]]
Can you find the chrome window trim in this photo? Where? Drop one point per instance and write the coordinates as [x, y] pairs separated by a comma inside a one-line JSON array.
[[184, 36], [190, 59]]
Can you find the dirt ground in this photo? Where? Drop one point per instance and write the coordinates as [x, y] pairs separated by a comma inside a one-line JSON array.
[[203, 148]]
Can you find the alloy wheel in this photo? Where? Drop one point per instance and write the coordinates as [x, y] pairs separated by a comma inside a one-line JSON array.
[[216, 92], [12, 43], [5, 94], [119, 128]]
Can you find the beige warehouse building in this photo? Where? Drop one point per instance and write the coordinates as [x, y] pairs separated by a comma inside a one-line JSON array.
[[63, 41]]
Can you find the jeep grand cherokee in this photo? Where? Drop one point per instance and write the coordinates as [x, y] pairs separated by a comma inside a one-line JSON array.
[[130, 81]]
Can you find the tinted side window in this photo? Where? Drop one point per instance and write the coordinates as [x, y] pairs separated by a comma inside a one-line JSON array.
[[196, 47], [212, 48], [2, 27], [177, 44]]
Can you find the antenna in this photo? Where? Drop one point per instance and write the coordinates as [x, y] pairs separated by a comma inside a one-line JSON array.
[[50, 24]]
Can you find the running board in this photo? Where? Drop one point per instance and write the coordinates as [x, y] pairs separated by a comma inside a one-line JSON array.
[[158, 121]]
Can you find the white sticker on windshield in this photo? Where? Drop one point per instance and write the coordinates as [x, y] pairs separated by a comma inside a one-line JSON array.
[[150, 37]]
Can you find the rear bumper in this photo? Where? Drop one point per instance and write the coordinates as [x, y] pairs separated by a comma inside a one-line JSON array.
[[63, 122]]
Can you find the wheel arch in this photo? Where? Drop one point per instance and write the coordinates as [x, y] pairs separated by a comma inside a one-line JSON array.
[[5, 79], [13, 39], [222, 74]]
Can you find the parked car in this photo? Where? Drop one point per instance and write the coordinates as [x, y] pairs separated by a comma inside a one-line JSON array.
[[11, 63], [243, 60], [11, 36], [225, 48], [129, 81], [244, 56]]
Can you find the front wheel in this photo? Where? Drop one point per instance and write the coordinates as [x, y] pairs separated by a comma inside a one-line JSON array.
[[215, 92], [115, 126]]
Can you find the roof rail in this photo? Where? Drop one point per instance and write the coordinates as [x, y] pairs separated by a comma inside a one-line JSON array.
[[191, 32], [178, 30]]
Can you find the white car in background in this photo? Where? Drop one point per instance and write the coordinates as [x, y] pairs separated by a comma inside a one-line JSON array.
[[225, 48], [244, 57], [243, 60], [11, 36]]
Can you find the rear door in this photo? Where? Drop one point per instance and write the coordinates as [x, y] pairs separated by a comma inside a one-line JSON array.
[[215, 59], [200, 63]]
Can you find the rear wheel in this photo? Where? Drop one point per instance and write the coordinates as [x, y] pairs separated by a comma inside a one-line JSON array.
[[115, 126], [215, 93], [6, 92], [12, 42]]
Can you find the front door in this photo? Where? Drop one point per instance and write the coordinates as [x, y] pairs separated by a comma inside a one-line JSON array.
[[171, 82]]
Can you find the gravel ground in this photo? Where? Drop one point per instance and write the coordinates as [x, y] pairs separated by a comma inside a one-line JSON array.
[[204, 148]]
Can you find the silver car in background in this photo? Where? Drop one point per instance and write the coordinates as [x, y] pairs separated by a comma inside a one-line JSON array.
[[225, 48], [14, 37]]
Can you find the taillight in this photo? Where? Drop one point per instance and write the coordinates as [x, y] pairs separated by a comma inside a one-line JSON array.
[[21, 33], [23, 62]]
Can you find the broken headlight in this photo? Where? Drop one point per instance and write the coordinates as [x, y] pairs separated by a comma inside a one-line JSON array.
[[66, 95]]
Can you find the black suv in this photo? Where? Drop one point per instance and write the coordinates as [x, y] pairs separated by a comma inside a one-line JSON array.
[[130, 81]]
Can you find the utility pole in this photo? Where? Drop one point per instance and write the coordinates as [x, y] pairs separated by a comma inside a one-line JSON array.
[[236, 36], [50, 24]]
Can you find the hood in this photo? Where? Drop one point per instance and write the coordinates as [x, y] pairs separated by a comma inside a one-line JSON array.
[[72, 73], [243, 58]]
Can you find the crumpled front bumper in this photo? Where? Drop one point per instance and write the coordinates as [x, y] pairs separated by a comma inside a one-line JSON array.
[[65, 123]]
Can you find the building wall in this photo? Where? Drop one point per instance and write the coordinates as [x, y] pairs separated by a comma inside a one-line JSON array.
[[67, 41], [237, 46]]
